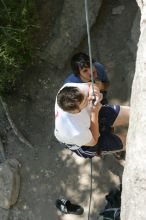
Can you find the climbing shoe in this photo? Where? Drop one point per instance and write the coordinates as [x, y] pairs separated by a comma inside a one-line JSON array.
[[66, 207]]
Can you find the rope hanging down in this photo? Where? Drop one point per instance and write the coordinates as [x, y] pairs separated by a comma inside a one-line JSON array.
[[90, 189], [89, 45], [92, 83]]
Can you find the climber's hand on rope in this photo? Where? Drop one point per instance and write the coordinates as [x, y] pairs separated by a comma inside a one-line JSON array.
[[96, 99], [95, 96]]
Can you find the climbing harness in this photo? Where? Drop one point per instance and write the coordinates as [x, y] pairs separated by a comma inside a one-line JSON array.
[[94, 99]]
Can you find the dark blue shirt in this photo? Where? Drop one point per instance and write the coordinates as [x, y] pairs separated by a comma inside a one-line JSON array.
[[101, 75]]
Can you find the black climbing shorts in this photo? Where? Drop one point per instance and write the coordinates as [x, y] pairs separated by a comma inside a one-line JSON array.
[[108, 142]]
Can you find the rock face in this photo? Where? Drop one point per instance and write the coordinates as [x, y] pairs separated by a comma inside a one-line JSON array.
[[4, 214], [134, 178], [72, 18], [135, 31], [118, 10], [2, 155], [9, 183]]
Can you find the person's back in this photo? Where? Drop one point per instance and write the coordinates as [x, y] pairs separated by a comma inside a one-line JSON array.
[[73, 128], [72, 78]]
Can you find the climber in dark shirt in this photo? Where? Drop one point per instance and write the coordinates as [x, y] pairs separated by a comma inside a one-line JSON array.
[[80, 64]]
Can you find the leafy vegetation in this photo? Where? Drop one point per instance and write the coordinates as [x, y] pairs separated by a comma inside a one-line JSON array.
[[18, 21]]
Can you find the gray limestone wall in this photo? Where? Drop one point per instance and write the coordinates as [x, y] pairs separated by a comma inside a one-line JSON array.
[[69, 30], [134, 177]]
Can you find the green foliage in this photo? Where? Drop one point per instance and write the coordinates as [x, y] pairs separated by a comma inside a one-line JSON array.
[[18, 21]]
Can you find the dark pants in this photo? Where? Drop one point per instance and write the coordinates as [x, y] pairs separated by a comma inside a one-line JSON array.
[[107, 142]]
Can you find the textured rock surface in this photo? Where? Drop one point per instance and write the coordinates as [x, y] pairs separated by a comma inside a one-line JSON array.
[[135, 31], [4, 214], [70, 28], [134, 178], [2, 154], [9, 183]]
